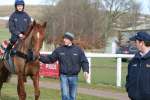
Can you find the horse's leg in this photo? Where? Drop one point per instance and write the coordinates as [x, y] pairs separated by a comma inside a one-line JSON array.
[[4, 75], [1, 81], [21, 87], [35, 79], [1, 85]]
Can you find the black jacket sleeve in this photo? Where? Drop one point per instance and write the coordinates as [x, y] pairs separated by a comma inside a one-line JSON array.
[[84, 62], [28, 19], [127, 77], [49, 58], [12, 28]]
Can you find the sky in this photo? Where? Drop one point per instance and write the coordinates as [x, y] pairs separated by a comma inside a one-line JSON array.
[[144, 3], [31, 2], [145, 6]]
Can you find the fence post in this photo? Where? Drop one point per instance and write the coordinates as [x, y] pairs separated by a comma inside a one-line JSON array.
[[89, 78], [43, 47], [119, 63]]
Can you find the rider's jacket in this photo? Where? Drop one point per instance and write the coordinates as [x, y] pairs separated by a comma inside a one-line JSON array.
[[19, 22], [138, 77]]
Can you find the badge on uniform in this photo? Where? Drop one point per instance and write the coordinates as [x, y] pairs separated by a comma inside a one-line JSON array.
[[148, 65], [25, 19], [15, 19], [134, 65]]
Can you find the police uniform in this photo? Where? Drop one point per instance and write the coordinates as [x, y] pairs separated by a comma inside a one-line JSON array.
[[138, 77]]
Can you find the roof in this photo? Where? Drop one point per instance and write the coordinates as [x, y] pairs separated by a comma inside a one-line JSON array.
[[142, 27], [4, 18], [7, 18]]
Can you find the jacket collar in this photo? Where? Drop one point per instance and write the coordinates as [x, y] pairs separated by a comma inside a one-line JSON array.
[[139, 56], [19, 11], [69, 46]]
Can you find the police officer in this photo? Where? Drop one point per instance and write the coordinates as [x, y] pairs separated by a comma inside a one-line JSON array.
[[18, 23], [71, 58], [138, 77]]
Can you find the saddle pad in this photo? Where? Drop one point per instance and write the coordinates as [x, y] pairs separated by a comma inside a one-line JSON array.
[[10, 65]]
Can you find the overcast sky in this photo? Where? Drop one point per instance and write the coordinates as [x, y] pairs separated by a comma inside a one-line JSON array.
[[145, 6], [144, 3], [31, 2]]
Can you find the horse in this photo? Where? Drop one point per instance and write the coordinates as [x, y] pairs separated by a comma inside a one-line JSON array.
[[23, 67]]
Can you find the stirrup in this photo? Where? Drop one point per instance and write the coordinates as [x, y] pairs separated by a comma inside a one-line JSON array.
[[6, 55], [2, 57]]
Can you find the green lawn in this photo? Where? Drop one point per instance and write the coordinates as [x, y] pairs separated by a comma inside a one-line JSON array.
[[9, 93], [104, 71], [4, 34]]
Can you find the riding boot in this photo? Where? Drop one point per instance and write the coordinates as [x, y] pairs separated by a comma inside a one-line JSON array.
[[7, 51], [9, 47]]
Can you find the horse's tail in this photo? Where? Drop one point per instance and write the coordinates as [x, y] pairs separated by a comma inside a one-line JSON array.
[[4, 73]]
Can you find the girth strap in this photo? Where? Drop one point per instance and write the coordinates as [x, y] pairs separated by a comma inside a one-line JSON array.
[[20, 54]]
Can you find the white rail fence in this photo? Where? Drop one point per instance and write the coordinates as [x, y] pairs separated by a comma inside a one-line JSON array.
[[104, 55], [118, 64]]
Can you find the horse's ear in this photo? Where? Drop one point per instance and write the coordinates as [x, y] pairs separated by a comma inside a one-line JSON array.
[[44, 24], [34, 22]]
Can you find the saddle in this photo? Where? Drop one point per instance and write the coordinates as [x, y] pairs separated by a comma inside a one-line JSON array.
[[8, 58], [8, 61]]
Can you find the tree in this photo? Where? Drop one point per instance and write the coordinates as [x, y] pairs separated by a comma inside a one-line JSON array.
[[89, 19], [114, 10], [131, 18]]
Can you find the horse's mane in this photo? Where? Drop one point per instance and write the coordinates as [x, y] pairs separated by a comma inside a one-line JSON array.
[[29, 30], [33, 36], [24, 44], [28, 41]]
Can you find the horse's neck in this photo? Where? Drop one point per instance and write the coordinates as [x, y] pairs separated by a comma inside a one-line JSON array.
[[32, 41], [28, 42], [24, 45]]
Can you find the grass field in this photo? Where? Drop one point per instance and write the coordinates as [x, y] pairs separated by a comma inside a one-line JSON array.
[[9, 93], [104, 71], [4, 34]]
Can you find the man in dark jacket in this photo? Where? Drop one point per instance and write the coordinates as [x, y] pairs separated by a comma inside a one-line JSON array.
[[71, 58], [138, 77], [19, 22]]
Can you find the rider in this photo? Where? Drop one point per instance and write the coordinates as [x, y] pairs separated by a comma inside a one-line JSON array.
[[19, 22]]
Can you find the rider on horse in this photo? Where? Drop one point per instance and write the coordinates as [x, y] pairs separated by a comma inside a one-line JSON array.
[[19, 22]]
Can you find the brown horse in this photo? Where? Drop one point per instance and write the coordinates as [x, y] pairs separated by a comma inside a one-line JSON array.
[[33, 41]]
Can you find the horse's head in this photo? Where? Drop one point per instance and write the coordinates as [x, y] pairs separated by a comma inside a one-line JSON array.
[[38, 34], [34, 38]]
